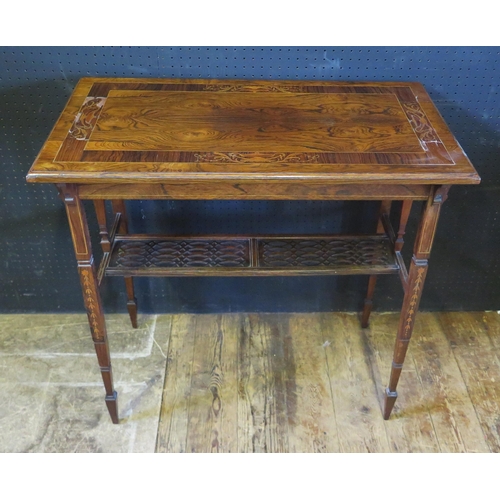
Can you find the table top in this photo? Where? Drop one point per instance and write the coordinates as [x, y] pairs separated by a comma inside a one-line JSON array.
[[136, 130]]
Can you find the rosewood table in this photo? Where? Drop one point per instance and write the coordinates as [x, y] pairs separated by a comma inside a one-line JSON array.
[[127, 138]]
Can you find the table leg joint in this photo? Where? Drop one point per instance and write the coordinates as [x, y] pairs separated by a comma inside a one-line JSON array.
[[389, 401]]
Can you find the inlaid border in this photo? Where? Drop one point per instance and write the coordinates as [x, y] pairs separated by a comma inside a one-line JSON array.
[[73, 147]]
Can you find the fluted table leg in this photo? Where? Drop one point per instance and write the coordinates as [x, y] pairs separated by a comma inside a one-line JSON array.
[[119, 207], [91, 296], [413, 293], [385, 208]]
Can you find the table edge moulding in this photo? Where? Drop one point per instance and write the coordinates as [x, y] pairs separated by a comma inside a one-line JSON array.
[[123, 139]]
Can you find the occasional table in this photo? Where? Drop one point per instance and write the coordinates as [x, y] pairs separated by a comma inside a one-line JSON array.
[[131, 139]]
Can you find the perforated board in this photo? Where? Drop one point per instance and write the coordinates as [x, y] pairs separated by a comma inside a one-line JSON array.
[[38, 267]]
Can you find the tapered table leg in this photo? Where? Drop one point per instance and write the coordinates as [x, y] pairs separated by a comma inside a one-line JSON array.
[[100, 210], [385, 208], [403, 220], [119, 207], [368, 304], [413, 293], [92, 299]]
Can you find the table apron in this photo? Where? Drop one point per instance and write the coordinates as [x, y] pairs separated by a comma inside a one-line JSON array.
[[254, 190]]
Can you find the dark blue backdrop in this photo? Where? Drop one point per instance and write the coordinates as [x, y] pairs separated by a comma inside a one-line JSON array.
[[37, 265]]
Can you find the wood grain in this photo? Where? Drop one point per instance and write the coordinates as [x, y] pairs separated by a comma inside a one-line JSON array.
[[313, 383], [174, 421], [255, 190], [213, 412], [129, 130], [474, 342], [410, 428], [359, 424], [312, 418], [263, 426], [453, 415], [90, 288], [201, 121]]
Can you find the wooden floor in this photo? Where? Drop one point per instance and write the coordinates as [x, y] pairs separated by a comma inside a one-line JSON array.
[[250, 383], [314, 383]]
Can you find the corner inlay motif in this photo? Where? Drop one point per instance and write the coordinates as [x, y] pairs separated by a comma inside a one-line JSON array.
[[420, 122], [86, 119]]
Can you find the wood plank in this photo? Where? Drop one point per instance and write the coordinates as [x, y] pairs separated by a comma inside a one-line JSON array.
[[410, 428], [452, 412], [262, 425], [359, 422], [213, 397], [227, 190], [491, 324], [311, 415], [281, 366], [173, 425], [315, 382], [231, 327], [471, 339]]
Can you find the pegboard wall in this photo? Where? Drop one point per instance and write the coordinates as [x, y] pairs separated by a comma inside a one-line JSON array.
[[38, 271]]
